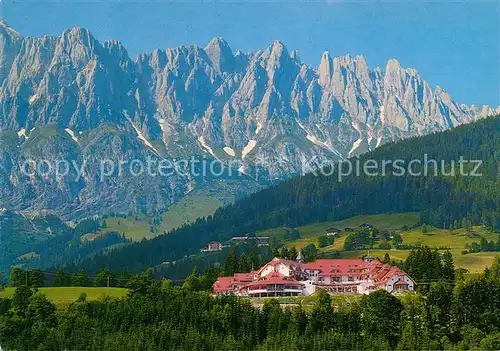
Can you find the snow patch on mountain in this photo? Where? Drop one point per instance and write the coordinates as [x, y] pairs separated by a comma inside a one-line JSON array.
[[22, 133], [242, 169], [315, 141], [146, 142], [356, 144], [312, 138], [140, 136], [382, 114], [322, 144], [205, 146], [161, 122], [248, 148], [370, 135], [71, 134], [229, 151], [356, 126], [259, 127]]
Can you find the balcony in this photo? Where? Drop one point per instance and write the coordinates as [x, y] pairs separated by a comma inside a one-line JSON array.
[[272, 290]]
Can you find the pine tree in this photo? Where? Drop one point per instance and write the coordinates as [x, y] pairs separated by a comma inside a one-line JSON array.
[[62, 278], [231, 263], [387, 258], [448, 266]]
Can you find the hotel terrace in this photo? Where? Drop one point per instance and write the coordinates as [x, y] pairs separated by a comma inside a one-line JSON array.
[[281, 277]]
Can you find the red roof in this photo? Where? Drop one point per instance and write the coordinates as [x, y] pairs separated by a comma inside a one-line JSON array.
[[337, 265], [401, 282], [243, 276], [381, 273], [228, 283], [223, 284], [274, 278]]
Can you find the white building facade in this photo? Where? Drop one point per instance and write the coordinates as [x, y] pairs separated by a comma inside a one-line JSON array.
[[281, 277]]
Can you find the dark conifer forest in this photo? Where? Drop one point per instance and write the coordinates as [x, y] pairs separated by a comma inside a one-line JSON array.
[[451, 313]]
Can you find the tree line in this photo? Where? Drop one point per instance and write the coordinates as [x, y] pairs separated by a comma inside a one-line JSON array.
[[36, 278], [482, 246], [158, 315]]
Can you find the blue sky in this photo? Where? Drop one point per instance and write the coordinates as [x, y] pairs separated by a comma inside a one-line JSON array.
[[452, 44]]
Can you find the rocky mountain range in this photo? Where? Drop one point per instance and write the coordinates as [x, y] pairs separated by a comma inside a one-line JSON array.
[[72, 97]]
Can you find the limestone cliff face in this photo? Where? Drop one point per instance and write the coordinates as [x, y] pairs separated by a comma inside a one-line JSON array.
[[88, 99]]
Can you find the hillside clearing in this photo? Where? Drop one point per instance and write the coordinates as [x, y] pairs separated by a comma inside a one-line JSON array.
[[390, 221], [183, 212], [455, 239]]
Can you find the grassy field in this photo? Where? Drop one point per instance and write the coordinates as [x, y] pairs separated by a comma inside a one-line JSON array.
[[455, 239], [398, 255], [70, 294], [189, 209], [474, 263], [185, 211], [434, 237], [310, 233]]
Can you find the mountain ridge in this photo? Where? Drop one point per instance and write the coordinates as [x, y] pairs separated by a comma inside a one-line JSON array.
[[204, 102]]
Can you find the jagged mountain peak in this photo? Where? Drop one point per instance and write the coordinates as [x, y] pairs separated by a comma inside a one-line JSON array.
[[326, 55], [346, 77], [114, 44], [78, 45], [360, 61], [220, 54], [325, 69], [439, 90], [79, 35], [274, 52], [217, 42], [8, 30], [279, 47], [392, 65], [343, 59]]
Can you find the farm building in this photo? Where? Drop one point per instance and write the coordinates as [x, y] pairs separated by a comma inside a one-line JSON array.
[[333, 231], [258, 240], [213, 246]]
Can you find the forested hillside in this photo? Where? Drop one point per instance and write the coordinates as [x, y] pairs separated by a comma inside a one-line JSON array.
[[44, 240], [442, 200]]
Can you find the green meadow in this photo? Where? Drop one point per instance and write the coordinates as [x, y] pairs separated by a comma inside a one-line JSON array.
[[455, 240], [183, 212], [62, 296]]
